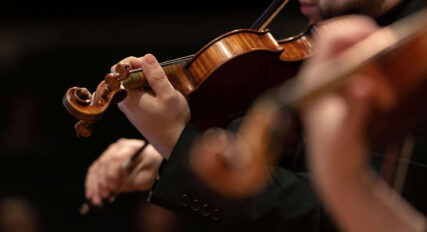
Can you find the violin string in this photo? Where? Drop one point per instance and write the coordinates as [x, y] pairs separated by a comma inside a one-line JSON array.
[[177, 60], [168, 62], [402, 167]]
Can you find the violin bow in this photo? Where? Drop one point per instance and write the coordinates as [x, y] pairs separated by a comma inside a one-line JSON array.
[[85, 208], [269, 14]]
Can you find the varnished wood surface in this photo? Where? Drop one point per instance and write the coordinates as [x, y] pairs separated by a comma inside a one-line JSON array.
[[227, 47], [299, 47]]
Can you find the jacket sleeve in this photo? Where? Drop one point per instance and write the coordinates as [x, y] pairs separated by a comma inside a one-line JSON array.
[[288, 203]]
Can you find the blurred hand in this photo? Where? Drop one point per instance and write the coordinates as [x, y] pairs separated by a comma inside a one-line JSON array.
[[159, 115], [336, 130], [335, 123], [105, 175]]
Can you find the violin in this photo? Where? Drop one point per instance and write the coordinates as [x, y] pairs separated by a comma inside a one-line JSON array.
[[223, 78], [395, 55]]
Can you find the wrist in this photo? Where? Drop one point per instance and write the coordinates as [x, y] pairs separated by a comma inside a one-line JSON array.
[[166, 143]]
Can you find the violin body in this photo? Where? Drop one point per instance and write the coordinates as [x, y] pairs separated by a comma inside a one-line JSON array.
[[228, 75], [220, 81]]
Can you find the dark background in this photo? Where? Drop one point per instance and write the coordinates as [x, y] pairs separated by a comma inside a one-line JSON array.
[[47, 47]]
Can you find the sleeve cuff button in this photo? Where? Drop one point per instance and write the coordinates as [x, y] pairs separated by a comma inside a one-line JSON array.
[[216, 215], [184, 200]]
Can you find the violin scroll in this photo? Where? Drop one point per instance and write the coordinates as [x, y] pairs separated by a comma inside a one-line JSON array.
[[87, 107]]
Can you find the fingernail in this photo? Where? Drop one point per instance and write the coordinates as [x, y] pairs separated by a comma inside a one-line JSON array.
[[150, 59], [97, 201]]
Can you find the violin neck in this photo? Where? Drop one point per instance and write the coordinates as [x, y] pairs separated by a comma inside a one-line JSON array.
[[184, 59], [137, 78]]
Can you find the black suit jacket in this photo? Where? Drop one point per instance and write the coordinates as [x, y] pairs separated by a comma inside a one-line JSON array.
[[288, 203]]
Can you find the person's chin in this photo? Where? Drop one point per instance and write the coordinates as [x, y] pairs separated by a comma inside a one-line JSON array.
[[311, 11]]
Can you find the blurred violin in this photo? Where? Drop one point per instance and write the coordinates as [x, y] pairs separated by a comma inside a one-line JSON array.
[[395, 56], [220, 81]]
